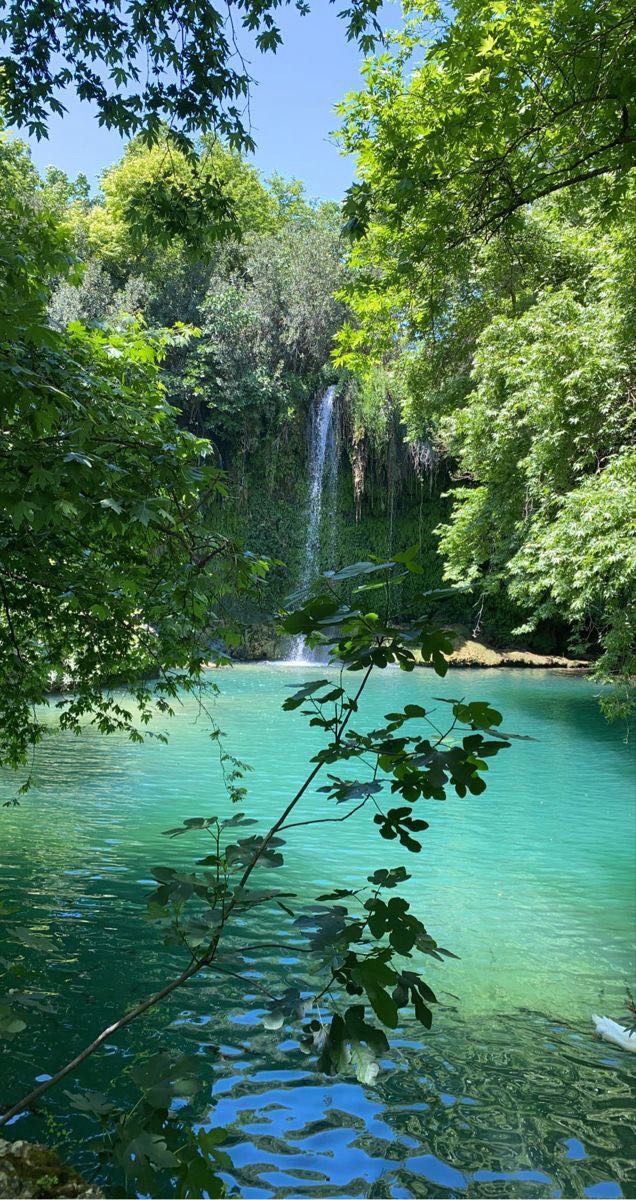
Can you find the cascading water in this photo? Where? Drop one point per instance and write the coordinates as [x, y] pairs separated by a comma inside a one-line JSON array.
[[322, 466]]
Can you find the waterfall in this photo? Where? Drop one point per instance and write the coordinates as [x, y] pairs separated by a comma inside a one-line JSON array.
[[322, 467]]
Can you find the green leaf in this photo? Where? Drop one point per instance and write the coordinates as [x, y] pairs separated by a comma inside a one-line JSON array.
[[477, 713], [289, 1006], [163, 874], [372, 975], [192, 823], [33, 939], [334, 1055], [10, 1024], [389, 878], [149, 1149], [93, 1104], [364, 1063]]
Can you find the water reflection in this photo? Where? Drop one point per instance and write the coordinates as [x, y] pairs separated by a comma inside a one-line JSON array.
[[519, 1107]]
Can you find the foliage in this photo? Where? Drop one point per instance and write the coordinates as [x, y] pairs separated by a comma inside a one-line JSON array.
[[373, 404], [492, 279], [226, 383], [584, 563], [110, 567], [293, 277], [547, 423], [480, 109], [361, 948], [34, 245], [92, 297], [264, 318], [264, 326], [177, 63], [158, 199], [258, 291]]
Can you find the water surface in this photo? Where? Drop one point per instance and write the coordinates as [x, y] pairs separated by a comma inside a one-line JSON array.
[[532, 884]]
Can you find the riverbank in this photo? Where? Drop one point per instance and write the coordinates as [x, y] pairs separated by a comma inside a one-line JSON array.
[[468, 652], [262, 644]]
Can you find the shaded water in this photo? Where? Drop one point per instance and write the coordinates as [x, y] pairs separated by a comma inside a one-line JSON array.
[[510, 1094]]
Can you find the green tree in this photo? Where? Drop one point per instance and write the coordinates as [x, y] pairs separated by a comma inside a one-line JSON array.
[[158, 202], [540, 427], [583, 563], [484, 107], [267, 326], [110, 569], [492, 275]]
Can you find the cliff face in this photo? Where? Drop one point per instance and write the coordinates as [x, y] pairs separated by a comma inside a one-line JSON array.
[[376, 500]]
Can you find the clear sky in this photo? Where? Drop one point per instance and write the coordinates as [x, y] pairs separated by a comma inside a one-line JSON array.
[[292, 107]]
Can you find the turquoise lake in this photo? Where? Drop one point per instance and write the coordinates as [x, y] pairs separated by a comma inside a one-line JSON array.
[[532, 885]]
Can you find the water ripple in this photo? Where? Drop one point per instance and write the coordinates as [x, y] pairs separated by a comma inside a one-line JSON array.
[[509, 1095]]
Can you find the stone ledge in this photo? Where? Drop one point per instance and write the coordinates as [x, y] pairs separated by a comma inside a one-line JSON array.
[[467, 652]]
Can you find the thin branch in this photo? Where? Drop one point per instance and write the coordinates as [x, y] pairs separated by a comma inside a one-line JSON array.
[[327, 820], [246, 979], [194, 968], [71, 1066], [301, 791], [521, 201]]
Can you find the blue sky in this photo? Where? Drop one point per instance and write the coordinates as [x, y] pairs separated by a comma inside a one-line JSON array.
[[291, 106]]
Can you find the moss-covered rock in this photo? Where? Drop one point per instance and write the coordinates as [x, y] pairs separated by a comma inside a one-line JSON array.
[[28, 1170], [260, 643]]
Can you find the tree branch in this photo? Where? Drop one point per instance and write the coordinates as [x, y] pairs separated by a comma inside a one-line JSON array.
[[195, 967]]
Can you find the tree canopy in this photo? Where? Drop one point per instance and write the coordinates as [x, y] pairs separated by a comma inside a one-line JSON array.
[[140, 67], [111, 567], [158, 200], [491, 274], [484, 107]]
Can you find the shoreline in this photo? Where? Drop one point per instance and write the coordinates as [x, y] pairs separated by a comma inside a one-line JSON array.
[[468, 654], [471, 654], [548, 663]]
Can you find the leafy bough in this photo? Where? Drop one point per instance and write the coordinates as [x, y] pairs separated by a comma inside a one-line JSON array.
[[362, 946]]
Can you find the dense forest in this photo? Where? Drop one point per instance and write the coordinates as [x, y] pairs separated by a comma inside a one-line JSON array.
[[169, 334], [496, 430]]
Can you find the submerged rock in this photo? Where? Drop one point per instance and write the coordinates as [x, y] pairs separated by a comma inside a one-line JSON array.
[[29, 1170]]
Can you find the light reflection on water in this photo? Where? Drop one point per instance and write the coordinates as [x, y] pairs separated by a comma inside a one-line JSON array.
[[509, 1095]]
